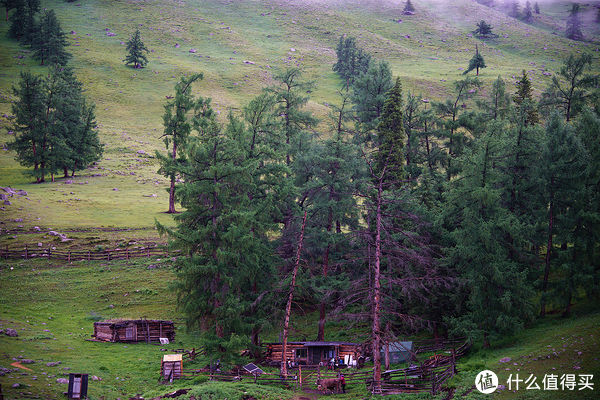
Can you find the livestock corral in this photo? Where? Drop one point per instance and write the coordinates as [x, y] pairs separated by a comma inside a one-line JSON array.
[[426, 376]]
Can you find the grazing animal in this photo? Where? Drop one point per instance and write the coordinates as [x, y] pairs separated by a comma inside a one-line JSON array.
[[333, 384]]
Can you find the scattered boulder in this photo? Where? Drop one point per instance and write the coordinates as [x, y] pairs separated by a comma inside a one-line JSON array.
[[8, 190], [62, 380], [115, 190], [111, 34], [249, 62], [3, 196], [27, 361], [141, 152], [7, 203], [96, 378], [505, 359], [21, 193], [16, 385], [193, 50], [53, 363], [10, 332]]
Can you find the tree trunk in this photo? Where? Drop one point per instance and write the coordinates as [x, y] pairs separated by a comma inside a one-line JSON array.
[[172, 190], [548, 251], [288, 307], [376, 329], [65, 172], [325, 270]]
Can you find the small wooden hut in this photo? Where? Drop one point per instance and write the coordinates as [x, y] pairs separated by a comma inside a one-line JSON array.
[[171, 367], [140, 330], [313, 353]]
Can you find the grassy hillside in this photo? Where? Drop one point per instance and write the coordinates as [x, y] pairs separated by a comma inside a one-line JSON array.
[[428, 51], [53, 306]]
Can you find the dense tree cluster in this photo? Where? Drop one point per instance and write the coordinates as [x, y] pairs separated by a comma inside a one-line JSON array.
[[55, 128], [418, 215], [42, 33]]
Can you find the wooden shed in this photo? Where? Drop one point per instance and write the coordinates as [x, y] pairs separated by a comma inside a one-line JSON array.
[[171, 367], [139, 330], [313, 353]]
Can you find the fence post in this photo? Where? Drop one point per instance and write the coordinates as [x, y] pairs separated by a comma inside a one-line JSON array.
[[300, 375], [108, 254], [26, 252], [69, 256]]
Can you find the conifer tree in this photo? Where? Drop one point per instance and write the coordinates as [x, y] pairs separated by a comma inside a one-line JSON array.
[[23, 25], [527, 13], [55, 128], [483, 29], [561, 173], [573, 95], [351, 60], [475, 63], [177, 121], [136, 49], [9, 5], [451, 119], [498, 289], [28, 125], [226, 277], [497, 104], [409, 9], [391, 137], [514, 9], [50, 41], [523, 98], [536, 8], [369, 94], [573, 29]]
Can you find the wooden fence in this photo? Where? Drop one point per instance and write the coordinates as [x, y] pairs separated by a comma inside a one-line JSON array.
[[76, 255]]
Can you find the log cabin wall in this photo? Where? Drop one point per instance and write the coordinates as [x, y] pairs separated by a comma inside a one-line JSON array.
[[274, 350], [134, 331]]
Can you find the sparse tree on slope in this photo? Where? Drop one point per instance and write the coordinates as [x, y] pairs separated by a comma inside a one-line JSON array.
[[573, 30], [524, 100], [178, 125], [408, 8], [527, 13], [136, 49], [483, 28], [475, 63], [536, 8], [23, 26]]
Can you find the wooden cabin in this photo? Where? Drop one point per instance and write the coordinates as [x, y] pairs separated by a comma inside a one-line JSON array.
[[313, 353], [171, 367], [140, 330]]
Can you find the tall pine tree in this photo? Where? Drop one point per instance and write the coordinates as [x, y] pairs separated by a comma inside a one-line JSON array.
[[136, 49]]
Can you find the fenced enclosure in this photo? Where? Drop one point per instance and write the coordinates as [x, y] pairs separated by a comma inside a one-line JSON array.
[[48, 253]]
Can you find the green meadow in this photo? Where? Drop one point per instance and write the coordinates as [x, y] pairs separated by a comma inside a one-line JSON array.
[[238, 46]]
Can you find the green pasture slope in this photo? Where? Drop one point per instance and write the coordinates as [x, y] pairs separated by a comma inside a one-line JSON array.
[[427, 50], [53, 305]]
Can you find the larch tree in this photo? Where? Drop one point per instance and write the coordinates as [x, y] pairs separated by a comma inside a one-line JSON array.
[[523, 98], [483, 29], [50, 41], [351, 60], [23, 24], [562, 167], [536, 8], [137, 50], [476, 62], [527, 13], [498, 290], [409, 9], [369, 93], [178, 122], [391, 137], [573, 28], [227, 272], [576, 92]]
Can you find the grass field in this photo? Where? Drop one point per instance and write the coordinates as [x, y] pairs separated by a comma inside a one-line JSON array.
[[53, 305], [428, 51]]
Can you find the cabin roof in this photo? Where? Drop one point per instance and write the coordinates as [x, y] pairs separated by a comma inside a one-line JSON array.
[[127, 321], [173, 357], [318, 344]]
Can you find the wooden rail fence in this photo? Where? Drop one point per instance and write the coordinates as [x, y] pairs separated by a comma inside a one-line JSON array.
[[77, 255]]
